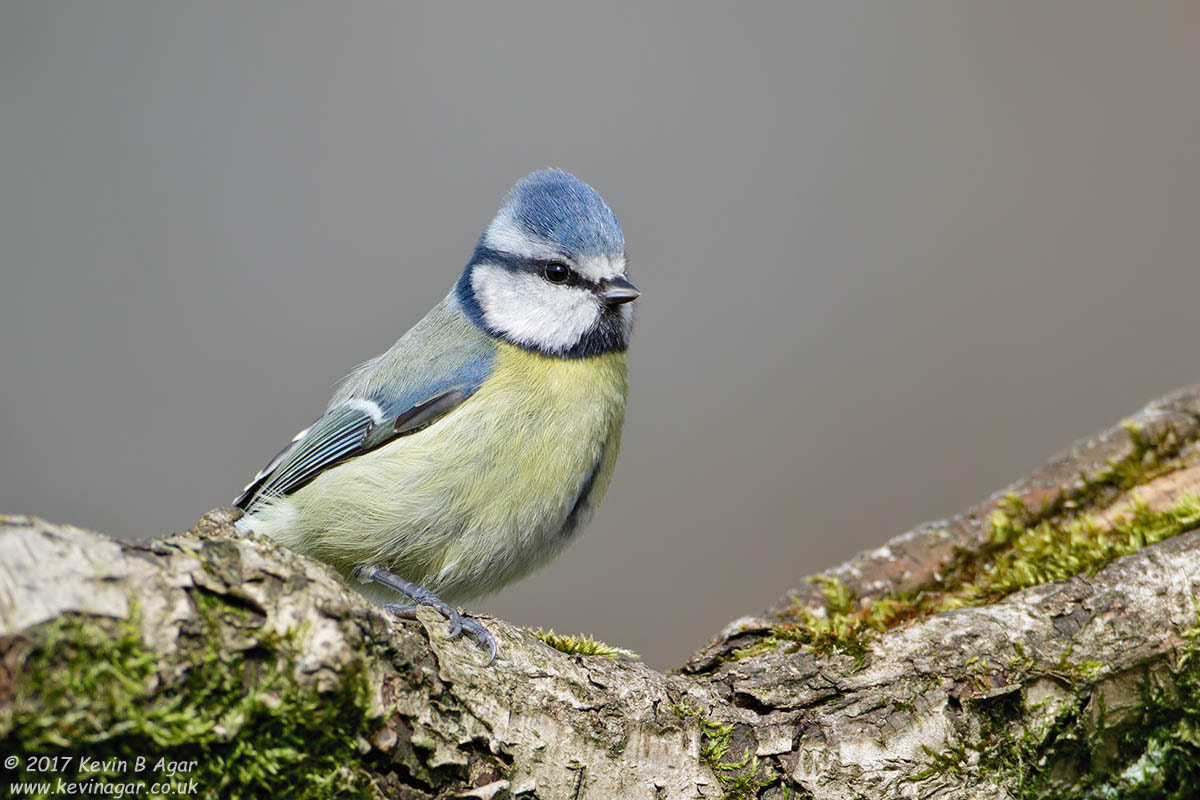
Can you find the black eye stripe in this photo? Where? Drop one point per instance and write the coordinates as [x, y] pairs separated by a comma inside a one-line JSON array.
[[486, 255]]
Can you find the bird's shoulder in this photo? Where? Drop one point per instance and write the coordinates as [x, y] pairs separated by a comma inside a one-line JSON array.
[[429, 372], [444, 350]]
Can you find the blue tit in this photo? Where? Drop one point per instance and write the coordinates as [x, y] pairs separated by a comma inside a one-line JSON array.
[[480, 444]]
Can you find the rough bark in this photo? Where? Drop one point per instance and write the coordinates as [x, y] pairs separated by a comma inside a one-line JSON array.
[[1041, 644]]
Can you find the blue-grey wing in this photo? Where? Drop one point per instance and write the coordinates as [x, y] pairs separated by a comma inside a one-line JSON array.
[[329, 440], [357, 424]]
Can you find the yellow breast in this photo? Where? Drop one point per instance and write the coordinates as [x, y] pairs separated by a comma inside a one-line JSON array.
[[480, 497]]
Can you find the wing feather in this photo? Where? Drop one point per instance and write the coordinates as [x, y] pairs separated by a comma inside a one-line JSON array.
[[434, 368], [334, 437]]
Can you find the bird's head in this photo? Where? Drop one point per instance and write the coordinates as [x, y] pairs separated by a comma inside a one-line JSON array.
[[548, 274]]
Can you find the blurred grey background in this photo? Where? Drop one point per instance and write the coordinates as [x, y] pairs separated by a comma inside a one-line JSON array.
[[893, 255]]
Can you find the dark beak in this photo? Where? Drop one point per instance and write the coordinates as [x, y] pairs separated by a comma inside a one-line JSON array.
[[616, 291]]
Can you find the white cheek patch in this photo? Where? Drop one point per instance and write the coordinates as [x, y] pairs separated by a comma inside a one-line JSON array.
[[531, 311], [506, 236]]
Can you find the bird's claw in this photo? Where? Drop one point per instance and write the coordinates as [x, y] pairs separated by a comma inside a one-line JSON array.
[[481, 636], [456, 625], [459, 623]]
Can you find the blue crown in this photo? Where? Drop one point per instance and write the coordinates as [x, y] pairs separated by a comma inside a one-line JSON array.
[[557, 206]]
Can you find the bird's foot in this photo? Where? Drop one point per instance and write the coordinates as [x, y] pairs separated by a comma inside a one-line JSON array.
[[459, 623]]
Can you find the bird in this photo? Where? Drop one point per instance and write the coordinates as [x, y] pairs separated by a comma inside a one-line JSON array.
[[480, 444]]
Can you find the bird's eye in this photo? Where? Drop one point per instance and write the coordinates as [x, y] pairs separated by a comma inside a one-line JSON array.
[[556, 273]]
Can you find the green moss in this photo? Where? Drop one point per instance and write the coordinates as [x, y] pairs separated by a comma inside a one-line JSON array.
[[838, 628], [1162, 749], [686, 709], [1030, 555], [1153, 455], [233, 725], [714, 744], [949, 762], [1152, 751], [1025, 549], [741, 779], [1076, 673], [581, 644], [1084, 751]]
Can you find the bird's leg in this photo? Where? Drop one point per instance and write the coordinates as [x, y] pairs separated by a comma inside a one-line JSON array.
[[419, 596]]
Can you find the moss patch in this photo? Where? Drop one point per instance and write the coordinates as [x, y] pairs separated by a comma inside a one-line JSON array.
[[1025, 549], [840, 627], [581, 644], [1149, 751], [741, 778], [949, 762], [233, 725], [1025, 554]]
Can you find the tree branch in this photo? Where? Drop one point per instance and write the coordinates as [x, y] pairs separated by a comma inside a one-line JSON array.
[[1041, 644]]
